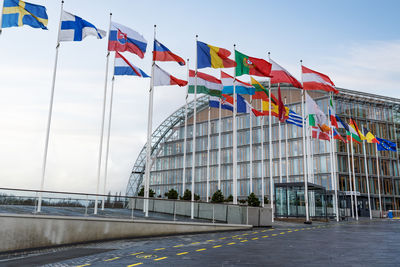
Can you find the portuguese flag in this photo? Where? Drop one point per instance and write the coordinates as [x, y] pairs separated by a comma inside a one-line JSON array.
[[261, 92], [251, 65]]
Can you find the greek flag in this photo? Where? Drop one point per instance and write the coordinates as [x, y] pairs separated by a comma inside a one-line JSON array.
[[294, 119], [74, 28]]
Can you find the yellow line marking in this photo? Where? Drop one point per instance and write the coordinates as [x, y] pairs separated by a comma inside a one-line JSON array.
[[271, 229], [235, 235], [201, 249], [158, 259], [232, 243], [302, 229], [112, 259], [265, 236], [137, 253], [264, 231], [245, 234], [289, 231], [282, 233], [255, 238], [159, 249], [255, 232], [135, 264], [177, 246], [182, 253], [211, 240], [296, 230], [195, 243], [87, 264], [243, 241], [222, 238], [274, 234], [218, 246]]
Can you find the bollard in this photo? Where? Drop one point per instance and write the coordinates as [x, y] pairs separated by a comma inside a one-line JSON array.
[[133, 207], [247, 215], [213, 219], [174, 210]]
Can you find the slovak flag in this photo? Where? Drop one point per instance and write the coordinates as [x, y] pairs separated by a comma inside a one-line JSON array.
[[124, 67], [162, 53], [161, 77], [123, 39]]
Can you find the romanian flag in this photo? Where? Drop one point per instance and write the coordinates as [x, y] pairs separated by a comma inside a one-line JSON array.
[[369, 136], [17, 13], [261, 92], [212, 56]]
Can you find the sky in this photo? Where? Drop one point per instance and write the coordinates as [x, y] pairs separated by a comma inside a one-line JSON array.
[[356, 43]]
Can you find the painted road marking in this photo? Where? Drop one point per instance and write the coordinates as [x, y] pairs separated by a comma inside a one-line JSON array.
[[255, 238], [265, 236], [211, 240], [112, 259], [289, 231], [255, 232], [282, 233], [274, 234], [146, 256], [137, 253], [235, 235], [243, 241], [182, 253], [264, 231], [159, 259], [232, 243], [201, 249], [222, 238], [194, 243], [245, 234], [218, 246], [135, 264], [87, 264], [296, 230], [159, 249], [177, 246]]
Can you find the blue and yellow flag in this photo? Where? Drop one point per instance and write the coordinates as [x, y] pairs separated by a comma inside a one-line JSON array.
[[17, 13]]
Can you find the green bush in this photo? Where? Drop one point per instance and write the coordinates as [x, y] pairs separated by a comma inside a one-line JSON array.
[[172, 194], [141, 192], [187, 195], [242, 201], [266, 200], [229, 199], [253, 201], [196, 197], [217, 197]]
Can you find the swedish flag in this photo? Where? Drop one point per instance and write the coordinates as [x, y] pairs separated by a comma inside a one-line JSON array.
[[17, 13]]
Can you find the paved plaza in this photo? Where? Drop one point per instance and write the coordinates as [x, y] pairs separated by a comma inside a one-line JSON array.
[[362, 243]]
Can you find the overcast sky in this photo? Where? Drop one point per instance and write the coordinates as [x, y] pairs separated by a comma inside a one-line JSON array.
[[356, 43]]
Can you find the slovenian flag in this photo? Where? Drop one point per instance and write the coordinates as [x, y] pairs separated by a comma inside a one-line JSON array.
[[161, 77], [162, 53], [123, 67], [240, 88], [123, 39]]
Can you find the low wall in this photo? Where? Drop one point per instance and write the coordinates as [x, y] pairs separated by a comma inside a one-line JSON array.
[[19, 232]]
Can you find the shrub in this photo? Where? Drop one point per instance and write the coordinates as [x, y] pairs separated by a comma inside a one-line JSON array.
[[217, 197], [172, 194], [141, 192], [229, 199], [266, 200], [242, 201], [253, 201], [187, 195]]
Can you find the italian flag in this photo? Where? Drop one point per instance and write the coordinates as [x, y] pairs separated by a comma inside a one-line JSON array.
[[206, 84], [315, 115]]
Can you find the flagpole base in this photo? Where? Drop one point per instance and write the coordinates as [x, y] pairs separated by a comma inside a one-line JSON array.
[[308, 222]]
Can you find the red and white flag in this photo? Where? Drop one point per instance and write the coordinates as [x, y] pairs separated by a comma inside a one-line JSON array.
[[161, 77], [281, 75], [313, 80], [318, 134]]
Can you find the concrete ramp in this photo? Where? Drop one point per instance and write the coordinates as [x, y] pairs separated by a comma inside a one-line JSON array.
[[18, 232]]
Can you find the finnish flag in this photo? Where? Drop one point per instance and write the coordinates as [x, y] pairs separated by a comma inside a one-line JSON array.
[[74, 28]]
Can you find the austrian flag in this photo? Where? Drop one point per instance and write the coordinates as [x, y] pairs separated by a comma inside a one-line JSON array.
[[313, 80]]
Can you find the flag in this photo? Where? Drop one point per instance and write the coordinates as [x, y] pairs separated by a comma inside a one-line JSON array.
[[124, 67], [353, 132], [261, 92], [281, 106], [294, 119], [274, 110], [162, 53], [318, 134], [313, 80], [74, 28], [315, 115], [386, 145], [212, 56], [332, 114], [369, 136], [342, 124], [281, 75], [206, 84], [251, 65], [337, 136], [161, 77], [123, 39], [240, 88], [244, 107], [18, 13]]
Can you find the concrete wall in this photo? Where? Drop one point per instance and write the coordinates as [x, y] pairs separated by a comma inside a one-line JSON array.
[[33, 231]]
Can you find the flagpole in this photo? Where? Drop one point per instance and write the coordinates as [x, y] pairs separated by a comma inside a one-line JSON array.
[[286, 150], [366, 177], [333, 158], [194, 136], [271, 181], [251, 147], [354, 176], [208, 155], [335, 178], [219, 145], [234, 136], [1, 16], [46, 144], [350, 180], [185, 134], [304, 150], [379, 183], [262, 160], [149, 132], [108, 137], [280, 155]]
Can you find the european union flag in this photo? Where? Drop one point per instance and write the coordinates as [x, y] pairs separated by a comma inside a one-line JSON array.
[[385, 145], [17, 13]]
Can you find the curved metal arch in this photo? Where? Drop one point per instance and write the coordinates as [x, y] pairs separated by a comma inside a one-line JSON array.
[[162, 131]]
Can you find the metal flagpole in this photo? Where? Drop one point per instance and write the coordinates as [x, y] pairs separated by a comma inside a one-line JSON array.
[[148, 144], [379, 183], [366, 177], [208, 155], [46, 144], [219, 145], [262, 160], [304, 150], [280, 158], [271, 181], [108, 138], [309, 164], [234, 136], [185, 134], [331, 152], [1, 15], [350, 181], [194, 136], [354, 176], [251, 147], [335, 177], [286, 150]]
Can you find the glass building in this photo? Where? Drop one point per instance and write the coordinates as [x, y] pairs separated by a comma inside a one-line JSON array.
[[377, 113]]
